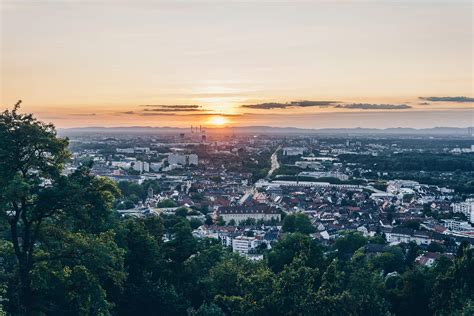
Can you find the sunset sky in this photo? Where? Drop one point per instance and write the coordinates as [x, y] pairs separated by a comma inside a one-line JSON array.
[[312, 64]]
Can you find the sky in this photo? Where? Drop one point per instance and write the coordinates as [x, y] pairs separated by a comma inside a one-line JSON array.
[[311, 64]]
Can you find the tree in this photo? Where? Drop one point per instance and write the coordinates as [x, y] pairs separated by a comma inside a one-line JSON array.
[[208, 310], [32, 158], [166, 203], [295, 289], [298, 223], [208, 220], [54, 219], [349, 243], [293, 245], [220, 221], [390, 260], [182, 211]]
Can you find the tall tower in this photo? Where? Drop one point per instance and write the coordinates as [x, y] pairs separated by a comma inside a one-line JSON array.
[[150, 192]]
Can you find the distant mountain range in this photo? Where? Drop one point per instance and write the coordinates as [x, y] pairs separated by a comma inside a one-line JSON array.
[[436, 131]]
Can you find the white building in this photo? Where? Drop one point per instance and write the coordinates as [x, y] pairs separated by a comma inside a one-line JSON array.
[[156, 166], [280, 183], [183, 160], [293, 151], [241, 213], [125, 150], [141, 166], [325, 174], [243, 244], [406, 235], [142, 150], [467, 208], [454, 225], [308, 164]]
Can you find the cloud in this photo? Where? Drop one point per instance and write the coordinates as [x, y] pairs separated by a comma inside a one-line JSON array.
[[368, 106], [458, 99], [170, 110], [187, 106], [82, 114], [424, 103], [276, 105]]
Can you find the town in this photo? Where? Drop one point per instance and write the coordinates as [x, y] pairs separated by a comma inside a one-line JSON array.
[[245, 190]]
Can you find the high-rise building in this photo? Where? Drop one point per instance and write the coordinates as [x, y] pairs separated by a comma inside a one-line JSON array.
[[467, 208]]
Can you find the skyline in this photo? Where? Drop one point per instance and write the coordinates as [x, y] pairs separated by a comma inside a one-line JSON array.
[[155, 63]]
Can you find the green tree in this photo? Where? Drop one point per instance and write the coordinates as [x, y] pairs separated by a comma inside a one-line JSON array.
[[298, 223], [293, 245], [32, 158], [347, 244], [53, 221]]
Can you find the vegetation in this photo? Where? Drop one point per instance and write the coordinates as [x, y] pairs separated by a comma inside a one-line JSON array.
[[297, 223], [413, 162], [64, 252]]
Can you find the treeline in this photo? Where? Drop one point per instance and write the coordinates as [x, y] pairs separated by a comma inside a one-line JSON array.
[[64, 251], [412, 162]]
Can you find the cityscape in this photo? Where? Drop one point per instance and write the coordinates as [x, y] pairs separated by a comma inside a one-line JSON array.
[[238, 188], [234, 158]]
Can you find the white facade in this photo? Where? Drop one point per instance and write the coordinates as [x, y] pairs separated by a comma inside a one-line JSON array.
[[397, 237], [277, 183], [457, 225], [293, 151], [325, 174], [308, 164], [239, 217], [125, 150], [141, 166], [183, 160], [467, 208], [243, 244]]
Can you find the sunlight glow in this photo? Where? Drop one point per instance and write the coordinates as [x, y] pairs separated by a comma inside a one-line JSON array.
[[218, 120]]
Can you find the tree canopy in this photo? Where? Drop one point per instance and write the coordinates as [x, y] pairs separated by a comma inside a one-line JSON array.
[[65, 252]]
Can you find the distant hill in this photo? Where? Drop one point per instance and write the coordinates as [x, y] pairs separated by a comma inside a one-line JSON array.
[[436, 131]]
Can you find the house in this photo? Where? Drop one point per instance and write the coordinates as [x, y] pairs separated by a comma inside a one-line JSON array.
[[427, 259]]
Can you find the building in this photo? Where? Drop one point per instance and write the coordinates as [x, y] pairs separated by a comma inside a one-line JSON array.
[[280, 183], [241, 213], [293, 151], [183, 160], [406, 235], [156, 166], [466, 208], [308, 164], [244, 244], [428, 259], [141, 166], [457, 225], [125, 150], [135, 150], [325, 174]]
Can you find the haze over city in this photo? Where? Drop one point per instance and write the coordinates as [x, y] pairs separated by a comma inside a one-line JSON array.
[[310, 64]]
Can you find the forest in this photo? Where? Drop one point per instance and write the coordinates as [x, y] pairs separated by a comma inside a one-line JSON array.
[[64, 251], [413, 161]]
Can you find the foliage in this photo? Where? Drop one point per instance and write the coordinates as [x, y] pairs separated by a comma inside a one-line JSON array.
[[298, 223], [64, 252]]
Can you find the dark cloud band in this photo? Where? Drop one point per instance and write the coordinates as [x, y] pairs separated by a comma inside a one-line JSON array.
[[459, 99], [277, 105], [369, 106]]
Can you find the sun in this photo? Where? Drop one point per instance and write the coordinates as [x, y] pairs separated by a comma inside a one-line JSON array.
[[218, 120]]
